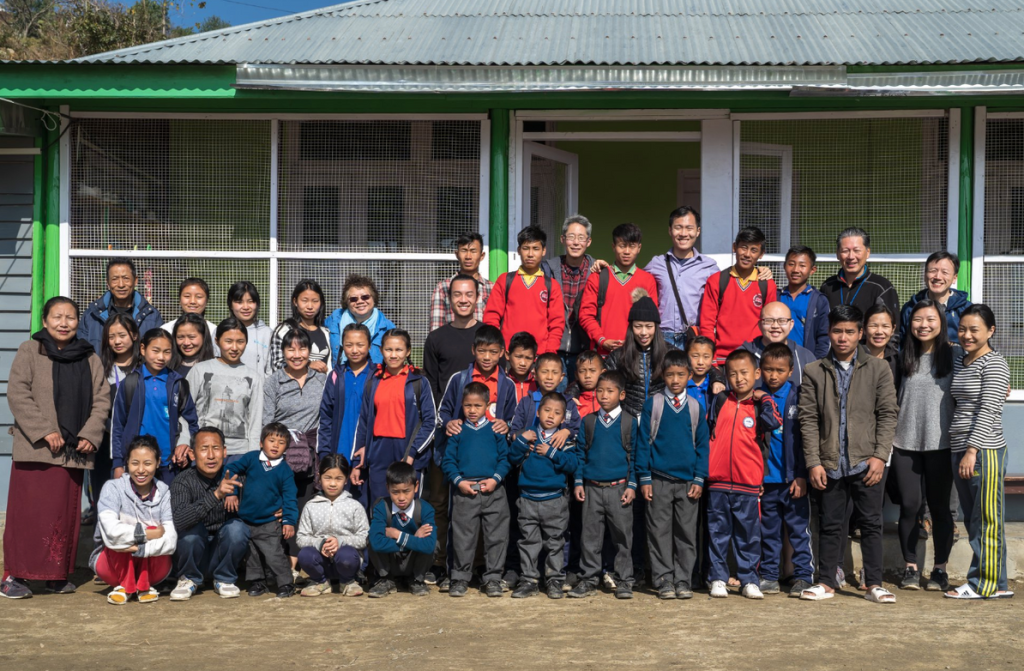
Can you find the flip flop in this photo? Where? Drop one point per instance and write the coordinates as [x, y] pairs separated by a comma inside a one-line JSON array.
[[964, 591], [880, 595], [1005, 594], [816, 593]]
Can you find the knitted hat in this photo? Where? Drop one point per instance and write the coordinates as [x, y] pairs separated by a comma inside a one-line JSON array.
[[644, 310]]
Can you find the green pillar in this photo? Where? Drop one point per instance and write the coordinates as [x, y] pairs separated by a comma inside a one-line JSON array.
[[965, 226], [51, 271], [499, 193], [38, 246]]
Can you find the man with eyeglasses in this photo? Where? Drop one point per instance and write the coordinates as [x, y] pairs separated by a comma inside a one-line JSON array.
[[775, 324], [570, 271]]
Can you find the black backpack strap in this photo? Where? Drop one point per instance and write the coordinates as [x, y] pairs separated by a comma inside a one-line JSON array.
[[627, 420], [763, 286], [130, 384], [675, 291], [589, 422], [417, 512], [387, 509], [716, 406], [183, 394], [723, 284], [602, 290], [417, 387], [510, 277]]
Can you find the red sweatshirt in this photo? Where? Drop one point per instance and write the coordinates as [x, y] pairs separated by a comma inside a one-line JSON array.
[[617, 302], [736, 462], [736, 323], [528, 309]]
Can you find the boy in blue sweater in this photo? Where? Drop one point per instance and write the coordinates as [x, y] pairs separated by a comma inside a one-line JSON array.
[[549, 373], [269, 486], [671, 464], [476, 463], [606, 485], [402, 534], [785, 480], [543, 498]]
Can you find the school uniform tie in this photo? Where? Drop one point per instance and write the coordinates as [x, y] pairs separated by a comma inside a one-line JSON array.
[[676, 402], [403, 518]]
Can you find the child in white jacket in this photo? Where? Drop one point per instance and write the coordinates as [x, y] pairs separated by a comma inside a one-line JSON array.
[[332, 532], [135, 527]]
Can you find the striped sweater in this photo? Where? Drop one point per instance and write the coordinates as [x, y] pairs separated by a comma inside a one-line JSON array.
[[979, 390]]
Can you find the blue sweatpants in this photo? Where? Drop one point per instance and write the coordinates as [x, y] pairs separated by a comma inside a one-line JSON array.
[[778, 506], [733, 516], [983, 500]]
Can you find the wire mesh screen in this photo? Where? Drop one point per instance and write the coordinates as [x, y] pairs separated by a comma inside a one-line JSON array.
[[549, 199], [170, 184], [1004, 187], [405, 288], [1001, 294], [888, 176], [906, 277], [381, 186], [159, 279]]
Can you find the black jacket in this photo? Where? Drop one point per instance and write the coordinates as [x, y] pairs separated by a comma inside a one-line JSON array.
[[640, 389]]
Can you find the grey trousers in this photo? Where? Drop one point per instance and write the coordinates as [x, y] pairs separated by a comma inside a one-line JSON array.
[[543, 525], [672, 531], [470, 514], [406, 564], [603, 507], [267, 559]]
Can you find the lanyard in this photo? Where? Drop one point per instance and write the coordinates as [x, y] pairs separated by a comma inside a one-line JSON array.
[[843, 300]]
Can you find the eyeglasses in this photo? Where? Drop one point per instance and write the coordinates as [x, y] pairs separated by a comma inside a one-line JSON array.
[[359, 299], [576, 238], [773, 322]]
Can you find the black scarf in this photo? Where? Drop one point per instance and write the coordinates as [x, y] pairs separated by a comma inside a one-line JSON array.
[[72, 386]]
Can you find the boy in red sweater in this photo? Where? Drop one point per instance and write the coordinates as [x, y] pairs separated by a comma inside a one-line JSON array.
[[731, 318], [738, 419], [528, 300], [605, 321]]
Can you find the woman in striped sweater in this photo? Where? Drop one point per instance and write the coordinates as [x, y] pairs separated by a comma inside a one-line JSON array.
[[980, 380]]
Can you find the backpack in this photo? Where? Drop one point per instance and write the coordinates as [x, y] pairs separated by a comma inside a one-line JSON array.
[[625, 422], [723, 282], [417, 387], [602, 290], [417, 507], [658, 408], [131, 383]]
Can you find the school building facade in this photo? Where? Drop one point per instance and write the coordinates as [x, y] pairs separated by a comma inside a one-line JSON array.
[[367, 136]]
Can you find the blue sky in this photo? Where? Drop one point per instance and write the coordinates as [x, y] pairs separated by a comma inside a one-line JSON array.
[[237, 12]]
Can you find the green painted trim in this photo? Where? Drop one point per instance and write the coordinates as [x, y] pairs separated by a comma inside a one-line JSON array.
[[51, 270], [38, 243], [965, 226], [498, 230], [67, 81]]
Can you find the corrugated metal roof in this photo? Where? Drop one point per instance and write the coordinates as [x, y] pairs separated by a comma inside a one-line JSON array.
[[612, 32]]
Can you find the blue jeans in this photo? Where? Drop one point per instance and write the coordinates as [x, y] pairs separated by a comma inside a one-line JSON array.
[[199, 552], [677, 340]]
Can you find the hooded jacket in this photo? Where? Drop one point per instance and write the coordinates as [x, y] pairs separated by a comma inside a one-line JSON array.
[[122, 518]]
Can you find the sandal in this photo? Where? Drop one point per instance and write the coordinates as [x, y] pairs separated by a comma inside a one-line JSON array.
[[816, 593], [964, 591], [1004, 594], [880, 595]]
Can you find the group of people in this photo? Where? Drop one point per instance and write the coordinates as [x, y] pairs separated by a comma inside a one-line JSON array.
[[577, 423]]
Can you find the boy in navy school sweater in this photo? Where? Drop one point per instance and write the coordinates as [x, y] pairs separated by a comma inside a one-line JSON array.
[[476, 463], [402, 534], [543, 501], [671, 464], [269, 487], [785, 480], [606, 485], [549, 373]]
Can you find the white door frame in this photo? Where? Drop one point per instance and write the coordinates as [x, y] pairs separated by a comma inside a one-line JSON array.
[[572, 180], [784, 153]]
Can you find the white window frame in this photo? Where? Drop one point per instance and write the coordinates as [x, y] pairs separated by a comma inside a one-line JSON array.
[[272, 254]]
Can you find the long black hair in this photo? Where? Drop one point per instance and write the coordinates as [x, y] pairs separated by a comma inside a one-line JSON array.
[[107, 354], [308, 285], [205, 350], [629, 360], [942, 355]]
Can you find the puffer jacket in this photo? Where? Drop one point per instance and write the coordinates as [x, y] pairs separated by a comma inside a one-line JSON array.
[[640, 389], [344, 519]]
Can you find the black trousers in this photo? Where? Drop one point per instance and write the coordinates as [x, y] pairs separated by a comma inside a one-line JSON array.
[[920, 476], [835, 504], [267, 559]]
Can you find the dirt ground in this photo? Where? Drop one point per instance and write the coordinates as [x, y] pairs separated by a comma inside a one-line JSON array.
[[921, 631]]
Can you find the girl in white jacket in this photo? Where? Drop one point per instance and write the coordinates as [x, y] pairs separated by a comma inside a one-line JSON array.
[[135, 527], [332, 532]]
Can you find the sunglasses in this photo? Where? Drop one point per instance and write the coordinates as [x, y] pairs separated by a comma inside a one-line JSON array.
[[359, 299]]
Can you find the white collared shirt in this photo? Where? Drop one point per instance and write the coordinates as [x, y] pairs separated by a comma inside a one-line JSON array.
[[395, 510], [609, 417], [546, 435], [672, 399], [480, 423], [267, 460]]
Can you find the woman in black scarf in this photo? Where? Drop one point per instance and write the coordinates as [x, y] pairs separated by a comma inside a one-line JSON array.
[[59, 398]]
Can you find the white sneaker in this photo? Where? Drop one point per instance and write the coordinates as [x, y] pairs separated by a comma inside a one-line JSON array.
[[752, 591], [718, 589], [184, 591], [608, 580], [226, 590], [352, 589]]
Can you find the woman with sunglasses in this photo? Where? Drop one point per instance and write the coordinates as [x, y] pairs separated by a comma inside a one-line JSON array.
[[358, 306]]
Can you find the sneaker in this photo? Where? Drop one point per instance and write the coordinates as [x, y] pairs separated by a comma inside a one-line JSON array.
[[458, 588], [911, 579], [525, 589], [15, 588], [257, 588], [608, 580], [938, 581], [718, 589], [381, 589], [152, 595], [285, 591], [582, 590], [352, 589], [769, 587], [444, 584], [509, 580], [555, 589], [571, 580], [118, 596], [418, 588], [623, 590], [752, 591], [298, 579], [683, 591], [433, 575], [316, 588], [226, 590], [666, 591], [60, 587], [492, 588], [799, 585], [184, 590]]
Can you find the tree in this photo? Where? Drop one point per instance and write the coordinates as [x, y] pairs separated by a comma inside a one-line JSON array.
[[26, 16], [213, 23]]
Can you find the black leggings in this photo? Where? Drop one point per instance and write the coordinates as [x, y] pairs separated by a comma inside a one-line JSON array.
[[926, 475]]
